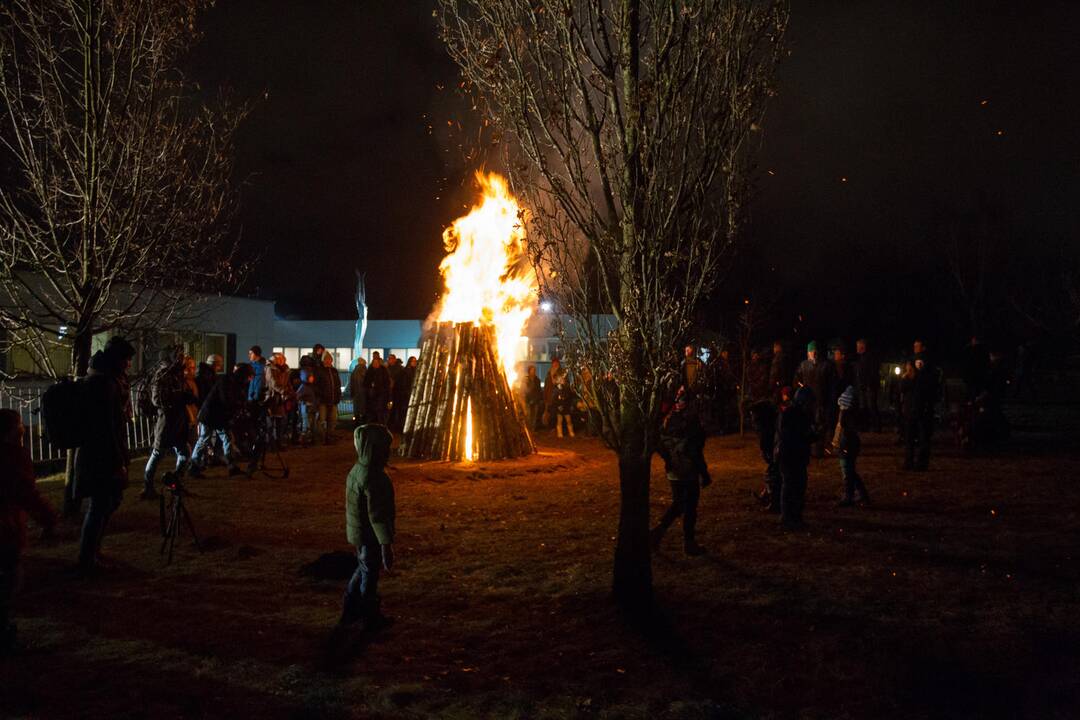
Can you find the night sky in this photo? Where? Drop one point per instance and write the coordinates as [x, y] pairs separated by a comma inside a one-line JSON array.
[[890, 116]]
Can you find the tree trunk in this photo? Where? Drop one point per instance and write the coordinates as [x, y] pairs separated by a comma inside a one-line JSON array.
[[80, 364], [632, 587]]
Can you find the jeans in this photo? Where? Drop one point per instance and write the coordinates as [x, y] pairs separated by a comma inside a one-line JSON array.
[[309, 415], [361, 594], [101, 508], [206, 435], [793, 494], [328, 421], [183, 454], [853, 483], [684, 502]]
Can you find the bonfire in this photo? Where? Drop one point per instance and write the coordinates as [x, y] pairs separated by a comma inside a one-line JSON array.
[[461, 406]]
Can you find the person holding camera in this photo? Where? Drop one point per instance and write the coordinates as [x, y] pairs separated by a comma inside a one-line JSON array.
[[224, 402], [369, 525], [277, 393], [170, 395]]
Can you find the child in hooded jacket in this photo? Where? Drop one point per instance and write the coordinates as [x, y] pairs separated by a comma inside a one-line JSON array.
[[369, 524]]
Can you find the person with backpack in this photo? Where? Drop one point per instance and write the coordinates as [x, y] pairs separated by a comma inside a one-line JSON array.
[[682, 445], [170, 395], [216, 414], [19, 497], [101, 460]]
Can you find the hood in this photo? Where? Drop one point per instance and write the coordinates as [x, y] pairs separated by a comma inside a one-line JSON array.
[[372, 442], [804, 398]]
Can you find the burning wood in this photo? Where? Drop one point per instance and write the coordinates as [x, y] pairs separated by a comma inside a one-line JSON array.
[[461, 407]]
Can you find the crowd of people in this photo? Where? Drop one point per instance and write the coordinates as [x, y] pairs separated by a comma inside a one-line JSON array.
[[204, 415]]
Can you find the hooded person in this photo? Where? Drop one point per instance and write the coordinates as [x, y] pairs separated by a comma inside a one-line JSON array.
[[369, 524]]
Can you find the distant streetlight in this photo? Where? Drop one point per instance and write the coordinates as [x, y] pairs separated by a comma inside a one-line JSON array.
[[546, 306]]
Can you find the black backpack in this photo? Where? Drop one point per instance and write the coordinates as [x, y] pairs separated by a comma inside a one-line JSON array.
[[64, 413]]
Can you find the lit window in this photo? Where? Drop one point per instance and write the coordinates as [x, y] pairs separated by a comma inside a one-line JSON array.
[[344, 358]]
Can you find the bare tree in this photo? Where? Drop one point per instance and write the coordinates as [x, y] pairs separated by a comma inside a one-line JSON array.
[[629, 126], [117, 200]]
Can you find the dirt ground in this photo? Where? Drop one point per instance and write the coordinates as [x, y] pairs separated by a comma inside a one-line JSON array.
[[954, 595]]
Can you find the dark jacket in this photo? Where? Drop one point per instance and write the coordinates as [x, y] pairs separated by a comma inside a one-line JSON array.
[[171, 396], [919, 394], [682, 446], [356, 388], [377, 384], [534, 394], [19, 496], [764, 414], [223, 403], [794, 433], [779, 371], [101, 462], [369, 493], [205, 377], [867, 374], [564, 399], [327, 385]]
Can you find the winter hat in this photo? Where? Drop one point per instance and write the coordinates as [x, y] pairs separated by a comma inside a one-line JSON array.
[[846, 401], [811, 346]]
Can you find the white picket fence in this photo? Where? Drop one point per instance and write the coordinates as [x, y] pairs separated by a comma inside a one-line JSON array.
[[25, 399]]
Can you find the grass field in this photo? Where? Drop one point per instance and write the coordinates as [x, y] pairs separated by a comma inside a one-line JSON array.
[[955, 595]]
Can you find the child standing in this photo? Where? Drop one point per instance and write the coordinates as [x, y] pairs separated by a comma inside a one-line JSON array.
[[308, 401], [369, 524], [847, 444], [564, 406], [18, 497]]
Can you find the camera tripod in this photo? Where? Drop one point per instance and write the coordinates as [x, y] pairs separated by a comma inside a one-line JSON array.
[[260, 449], [174, 514]]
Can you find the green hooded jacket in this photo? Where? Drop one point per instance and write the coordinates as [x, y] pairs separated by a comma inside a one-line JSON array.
[[369, 494]]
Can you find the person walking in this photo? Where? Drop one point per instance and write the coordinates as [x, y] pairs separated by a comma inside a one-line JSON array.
[[846, 446], [101, 462], [19, 497], [170, 395], [369, 525], [682, 444]]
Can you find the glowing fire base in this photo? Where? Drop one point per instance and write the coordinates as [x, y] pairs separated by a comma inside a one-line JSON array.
[[461, 407]]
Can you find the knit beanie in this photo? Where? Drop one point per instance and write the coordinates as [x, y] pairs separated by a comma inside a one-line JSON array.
[[846, 401], [811, 346]]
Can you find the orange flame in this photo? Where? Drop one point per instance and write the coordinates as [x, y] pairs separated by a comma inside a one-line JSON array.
[[487, 273]]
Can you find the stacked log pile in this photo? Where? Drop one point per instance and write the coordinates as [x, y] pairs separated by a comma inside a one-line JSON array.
[[459, 370]]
